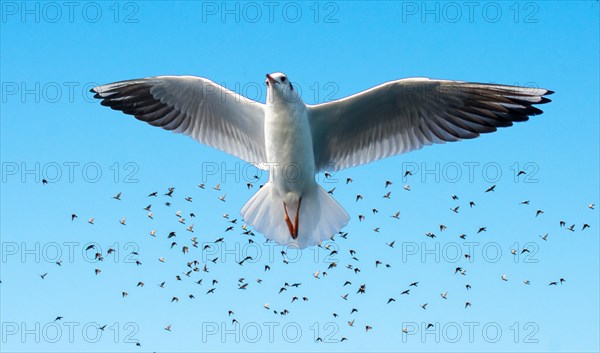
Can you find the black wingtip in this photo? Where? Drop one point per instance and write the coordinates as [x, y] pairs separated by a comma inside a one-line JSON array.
[[548, 92]]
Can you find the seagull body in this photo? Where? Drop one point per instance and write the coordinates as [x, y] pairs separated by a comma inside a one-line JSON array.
[[294, 141]]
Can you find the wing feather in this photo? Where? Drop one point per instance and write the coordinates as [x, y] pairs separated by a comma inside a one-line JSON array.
[[194, 106], [405, 115]]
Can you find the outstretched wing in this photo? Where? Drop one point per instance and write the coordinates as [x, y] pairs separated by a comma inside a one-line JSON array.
[[405, 115], [194, 106]]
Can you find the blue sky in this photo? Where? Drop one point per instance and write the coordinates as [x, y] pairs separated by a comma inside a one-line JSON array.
[[52, 53]]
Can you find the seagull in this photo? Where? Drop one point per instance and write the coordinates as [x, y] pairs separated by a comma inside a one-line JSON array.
[[390, 119]]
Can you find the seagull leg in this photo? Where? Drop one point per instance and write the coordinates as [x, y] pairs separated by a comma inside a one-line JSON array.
[[295, 235], [288, 221]]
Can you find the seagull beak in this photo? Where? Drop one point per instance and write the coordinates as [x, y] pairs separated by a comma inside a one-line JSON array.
[[270, 79]]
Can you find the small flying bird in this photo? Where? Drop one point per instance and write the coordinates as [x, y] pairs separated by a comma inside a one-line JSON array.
[[491, 188], [544, 237], [117, 197], [168, 328], [222, 198], [504, 278], [538, 212], [424, 306], [391, 244], [387, 195], [359, 197], [349, 180], [388, 183], [73, 216], [391, 300], [407, 187], [591, 206], [481, 229], [444, 295], [585, 225], [471, 204], [153, 194], [123, 220], [526, 202], [526, 282], [455, 209], [467, 304], [396, 215]]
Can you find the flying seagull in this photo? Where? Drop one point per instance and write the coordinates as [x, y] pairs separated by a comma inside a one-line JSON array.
[[392, 118]]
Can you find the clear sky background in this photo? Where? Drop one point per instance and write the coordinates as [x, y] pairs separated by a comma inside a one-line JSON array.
[[52, 53]]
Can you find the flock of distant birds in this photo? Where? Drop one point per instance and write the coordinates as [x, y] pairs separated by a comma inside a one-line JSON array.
[[195, 266]]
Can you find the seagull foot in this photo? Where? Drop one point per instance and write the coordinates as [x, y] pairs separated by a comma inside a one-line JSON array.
[[288, 221], [292, 227], [295, 235]]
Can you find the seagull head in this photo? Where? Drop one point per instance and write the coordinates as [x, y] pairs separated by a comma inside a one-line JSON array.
[[280, 89]]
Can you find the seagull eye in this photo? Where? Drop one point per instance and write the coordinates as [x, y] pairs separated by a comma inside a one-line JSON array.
[[282, 78]]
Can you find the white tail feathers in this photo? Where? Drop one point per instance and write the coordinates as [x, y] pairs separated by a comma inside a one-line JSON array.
[[320, 217]]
